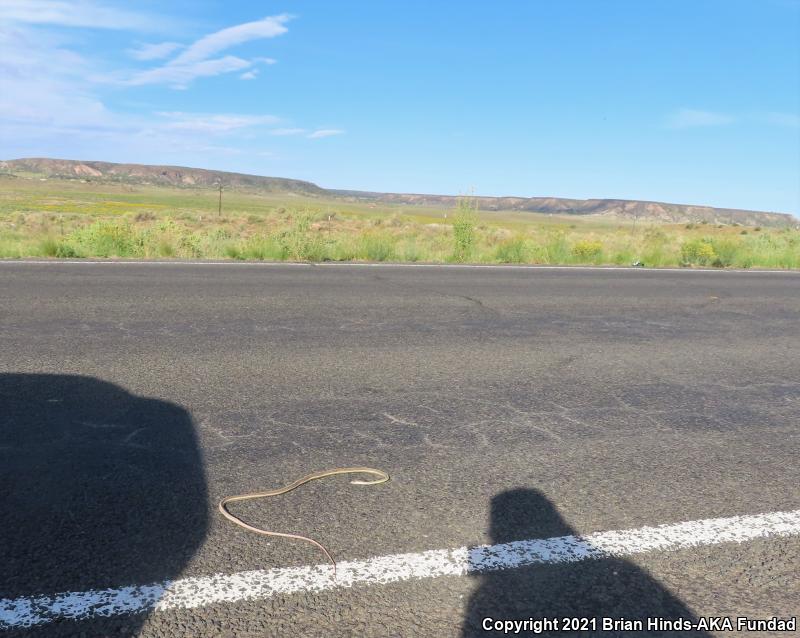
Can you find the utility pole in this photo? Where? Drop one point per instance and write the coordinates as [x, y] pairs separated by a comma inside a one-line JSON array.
[[219, 211]]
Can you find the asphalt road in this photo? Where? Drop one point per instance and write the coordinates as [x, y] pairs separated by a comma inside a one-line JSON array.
[[506, 404]]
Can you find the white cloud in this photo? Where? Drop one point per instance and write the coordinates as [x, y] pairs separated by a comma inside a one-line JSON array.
[[214, 123], [179, 76], [40, 83], [213, 43], [51, 98], [154, 51], [46, 99], [72, 13], [692, 118], [325, 132], [195, 60]]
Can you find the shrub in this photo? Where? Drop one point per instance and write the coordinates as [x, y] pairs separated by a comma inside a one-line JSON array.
[[10, 249], [263, 248], [624, 257], [232, 251], [556, 250], [698, 251], [512, 251], [65, 251], [464, 222], [345, 248], [726, 251], [298, 242], [166, 249], [587, 249], [377, 247], [192, 244], [219, 234], [411, 251], [50, 247], [654, 255], [109, 239]]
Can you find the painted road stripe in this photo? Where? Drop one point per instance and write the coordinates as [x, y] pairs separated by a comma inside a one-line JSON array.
[[228, 588], [344, 264]]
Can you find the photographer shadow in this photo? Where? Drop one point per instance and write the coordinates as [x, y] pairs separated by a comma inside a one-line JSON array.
[[99, 488], [591, 588]]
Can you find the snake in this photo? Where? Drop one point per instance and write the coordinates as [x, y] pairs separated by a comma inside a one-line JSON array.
[[223, 504]]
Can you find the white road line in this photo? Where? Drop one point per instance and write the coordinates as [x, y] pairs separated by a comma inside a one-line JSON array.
[[149, 262], [219, 588], [329, 264], [345, 264]]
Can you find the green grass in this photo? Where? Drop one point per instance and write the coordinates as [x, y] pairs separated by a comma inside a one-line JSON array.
[[71, 219]]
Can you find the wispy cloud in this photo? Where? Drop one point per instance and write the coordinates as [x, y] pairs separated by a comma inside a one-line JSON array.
[[198, 58], [51, 96], [219, 41], [73, 13], [154, 51], [179, 76], [214, 123], [41, 82], [325, 132], [693, 118]]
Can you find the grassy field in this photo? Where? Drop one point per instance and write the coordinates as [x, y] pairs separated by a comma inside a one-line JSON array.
[[75, 219]]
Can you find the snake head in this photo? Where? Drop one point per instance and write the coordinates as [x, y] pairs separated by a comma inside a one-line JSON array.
[[382, 477]]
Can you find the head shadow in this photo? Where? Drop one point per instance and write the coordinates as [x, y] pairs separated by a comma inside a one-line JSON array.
[[99, 488], [588, 588]]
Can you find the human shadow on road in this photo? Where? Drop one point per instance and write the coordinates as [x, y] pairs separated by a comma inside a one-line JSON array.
[[98, 488], [611, 588]]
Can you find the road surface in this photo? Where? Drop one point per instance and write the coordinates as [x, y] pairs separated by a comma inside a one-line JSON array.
[[507, 404]]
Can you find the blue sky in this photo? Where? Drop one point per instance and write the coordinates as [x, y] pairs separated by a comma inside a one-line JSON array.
[[694, 101]]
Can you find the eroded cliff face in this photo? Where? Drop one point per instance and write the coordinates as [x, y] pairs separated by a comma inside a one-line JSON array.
[[180, 176]]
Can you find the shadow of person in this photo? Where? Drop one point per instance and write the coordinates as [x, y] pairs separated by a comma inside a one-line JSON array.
[[592, 588], [98, 488]]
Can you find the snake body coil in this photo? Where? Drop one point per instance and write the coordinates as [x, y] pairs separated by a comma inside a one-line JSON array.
[[382, 478]]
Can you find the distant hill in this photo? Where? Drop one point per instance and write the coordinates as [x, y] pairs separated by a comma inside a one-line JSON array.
[[180, 176], [627, 208], [162, 175]]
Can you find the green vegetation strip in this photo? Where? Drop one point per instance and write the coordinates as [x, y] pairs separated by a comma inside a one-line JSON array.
[[74, 220]]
